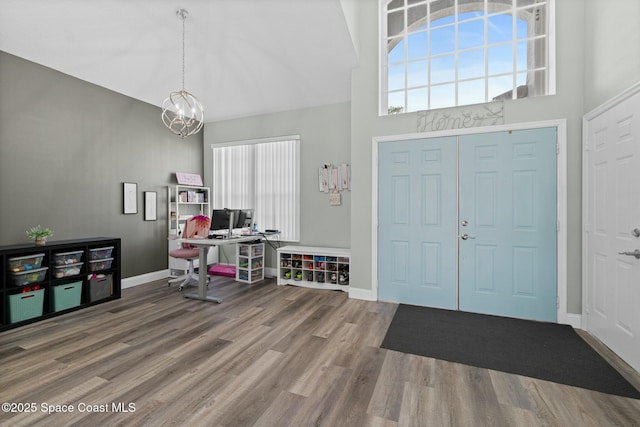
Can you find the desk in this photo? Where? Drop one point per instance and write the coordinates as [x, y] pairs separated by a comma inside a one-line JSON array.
[[203, 246]]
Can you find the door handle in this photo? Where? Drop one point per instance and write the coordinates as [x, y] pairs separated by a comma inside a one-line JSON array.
[[465, 236], [635, 253]]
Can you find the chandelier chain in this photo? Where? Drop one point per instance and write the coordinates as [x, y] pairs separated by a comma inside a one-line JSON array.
[[183, 31]]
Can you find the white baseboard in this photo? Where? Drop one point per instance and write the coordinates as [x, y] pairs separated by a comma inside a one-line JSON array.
[[574, 320], [130, 282], [364, 294], [271, 272]]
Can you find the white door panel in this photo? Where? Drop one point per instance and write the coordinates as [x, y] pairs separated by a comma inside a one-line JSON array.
[[612, 193]]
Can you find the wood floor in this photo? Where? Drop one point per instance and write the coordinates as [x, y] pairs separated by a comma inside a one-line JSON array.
[[267, 356]]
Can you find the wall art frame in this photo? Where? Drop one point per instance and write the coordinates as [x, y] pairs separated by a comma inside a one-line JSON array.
[[129, 198], [150, 206]]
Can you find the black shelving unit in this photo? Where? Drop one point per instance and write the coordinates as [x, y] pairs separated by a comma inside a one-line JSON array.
[[107, 275]]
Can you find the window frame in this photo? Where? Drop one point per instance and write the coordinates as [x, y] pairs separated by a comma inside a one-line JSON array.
[[383, 66]]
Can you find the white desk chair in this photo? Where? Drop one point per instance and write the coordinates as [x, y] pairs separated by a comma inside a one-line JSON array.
[[196, 226]]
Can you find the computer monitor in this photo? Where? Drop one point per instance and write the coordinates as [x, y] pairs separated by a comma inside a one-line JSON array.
[[243, 218], [231, 219], [221, 220]]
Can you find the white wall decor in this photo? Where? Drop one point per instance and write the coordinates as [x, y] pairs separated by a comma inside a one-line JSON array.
[[334, 179], [150, 206], [461, 117], [129, 198]]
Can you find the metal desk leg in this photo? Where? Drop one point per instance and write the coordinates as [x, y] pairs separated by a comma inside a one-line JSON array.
[[202, 278]]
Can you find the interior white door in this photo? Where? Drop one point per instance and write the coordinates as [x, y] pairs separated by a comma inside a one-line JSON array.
[[612, 227]]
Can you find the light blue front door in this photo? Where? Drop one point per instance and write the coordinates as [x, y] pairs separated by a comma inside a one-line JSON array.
[[417, 220], [469, 223], [507, 199]]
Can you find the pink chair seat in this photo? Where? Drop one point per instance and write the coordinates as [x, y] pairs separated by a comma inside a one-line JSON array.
[[185, 253]]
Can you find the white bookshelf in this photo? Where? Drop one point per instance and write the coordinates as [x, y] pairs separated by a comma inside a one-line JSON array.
[[183, 202]]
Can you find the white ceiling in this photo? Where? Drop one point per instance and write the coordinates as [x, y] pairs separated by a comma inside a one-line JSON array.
[[243, 57]]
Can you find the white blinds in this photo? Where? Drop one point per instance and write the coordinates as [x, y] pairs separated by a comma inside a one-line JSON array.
[[263, 175], [233, 177], [277, 187]]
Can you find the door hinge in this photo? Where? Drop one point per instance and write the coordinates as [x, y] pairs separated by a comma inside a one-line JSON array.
[[557, 149]]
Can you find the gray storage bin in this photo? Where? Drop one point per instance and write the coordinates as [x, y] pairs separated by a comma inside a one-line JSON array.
[[100, 287]]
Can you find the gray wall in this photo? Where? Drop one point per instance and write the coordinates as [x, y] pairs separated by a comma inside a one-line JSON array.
[[612, 49], [67, 145], [325, 135]]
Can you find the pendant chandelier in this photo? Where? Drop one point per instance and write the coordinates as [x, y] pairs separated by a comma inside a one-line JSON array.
[[182, 113]]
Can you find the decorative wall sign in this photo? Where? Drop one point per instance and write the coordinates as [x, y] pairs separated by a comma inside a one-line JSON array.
[[184, 178], [334, 199], [469, 116], [150, 206], [334, 179]]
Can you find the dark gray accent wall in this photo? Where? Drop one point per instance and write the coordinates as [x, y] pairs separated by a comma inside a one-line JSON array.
[[66, 147]]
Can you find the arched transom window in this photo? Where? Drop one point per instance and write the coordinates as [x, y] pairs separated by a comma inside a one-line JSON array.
[[446, 53]]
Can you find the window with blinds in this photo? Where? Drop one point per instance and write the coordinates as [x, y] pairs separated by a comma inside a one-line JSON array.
[[263, 175]]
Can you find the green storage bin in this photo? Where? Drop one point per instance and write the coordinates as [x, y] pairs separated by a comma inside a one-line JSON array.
[[66, 296], [26, 305]]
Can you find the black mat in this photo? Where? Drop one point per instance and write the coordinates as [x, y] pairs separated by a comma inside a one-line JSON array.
[[540, 350]]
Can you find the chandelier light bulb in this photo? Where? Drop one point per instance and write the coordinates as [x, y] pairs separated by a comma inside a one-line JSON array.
[[174, 117]]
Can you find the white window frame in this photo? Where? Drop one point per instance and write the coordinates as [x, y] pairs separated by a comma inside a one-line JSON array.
[[277, 178], [383, 64]]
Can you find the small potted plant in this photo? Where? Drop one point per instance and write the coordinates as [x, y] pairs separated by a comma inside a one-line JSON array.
[[39, 234]]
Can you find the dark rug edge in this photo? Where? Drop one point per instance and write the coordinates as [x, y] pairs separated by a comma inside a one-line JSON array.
[[626, 390]]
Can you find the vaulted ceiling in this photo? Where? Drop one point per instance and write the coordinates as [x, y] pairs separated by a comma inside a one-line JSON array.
[[243, 57]]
